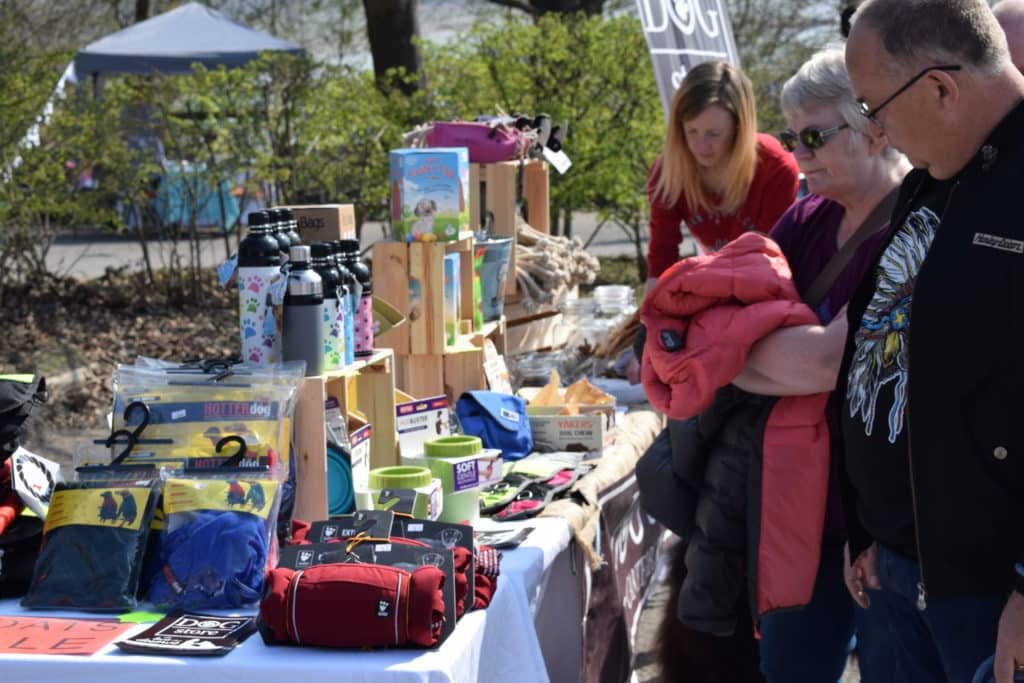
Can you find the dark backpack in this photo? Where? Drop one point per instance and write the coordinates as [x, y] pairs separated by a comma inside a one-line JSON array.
[[19, 394]]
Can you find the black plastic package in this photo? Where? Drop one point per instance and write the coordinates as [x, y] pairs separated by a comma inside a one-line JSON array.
[[94, 541]]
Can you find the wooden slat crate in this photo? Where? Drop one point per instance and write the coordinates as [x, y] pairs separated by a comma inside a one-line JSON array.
[[367, 387]]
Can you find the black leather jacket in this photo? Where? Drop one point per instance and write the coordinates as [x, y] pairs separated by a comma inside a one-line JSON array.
[[966, 373]]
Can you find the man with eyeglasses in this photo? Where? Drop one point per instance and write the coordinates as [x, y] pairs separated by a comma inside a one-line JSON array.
[[933, 365]]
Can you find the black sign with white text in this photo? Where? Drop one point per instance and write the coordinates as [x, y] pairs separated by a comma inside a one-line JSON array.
[[183, 633], [683, 33]]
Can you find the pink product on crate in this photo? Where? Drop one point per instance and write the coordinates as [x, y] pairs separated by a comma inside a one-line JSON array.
[[486, 143]]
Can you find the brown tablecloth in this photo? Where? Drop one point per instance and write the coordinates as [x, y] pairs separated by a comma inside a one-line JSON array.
[[634, 433]]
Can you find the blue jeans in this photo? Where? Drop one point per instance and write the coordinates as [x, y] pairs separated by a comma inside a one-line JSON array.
[[811, 644], [950, 638]]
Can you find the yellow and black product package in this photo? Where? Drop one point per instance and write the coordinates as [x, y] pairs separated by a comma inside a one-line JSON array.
[[94, 540]]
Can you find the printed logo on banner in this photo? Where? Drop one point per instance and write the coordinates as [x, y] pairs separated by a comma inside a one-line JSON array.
[[681, 34]]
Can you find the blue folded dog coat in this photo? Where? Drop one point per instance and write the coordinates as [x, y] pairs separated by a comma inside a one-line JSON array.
[[212, 559]]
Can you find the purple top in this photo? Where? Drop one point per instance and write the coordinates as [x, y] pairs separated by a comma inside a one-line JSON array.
[[806, 233]]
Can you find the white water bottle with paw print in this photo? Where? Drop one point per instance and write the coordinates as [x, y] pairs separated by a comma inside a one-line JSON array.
[[259, 268]]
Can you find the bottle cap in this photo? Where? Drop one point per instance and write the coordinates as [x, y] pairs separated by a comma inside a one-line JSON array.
[[349, 246], [258, 219], [320, 251], [298, 253]]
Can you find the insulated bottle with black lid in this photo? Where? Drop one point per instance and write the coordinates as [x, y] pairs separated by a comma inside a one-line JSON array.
[[364, 312], [275, 229], [303, 313], [323, 264], [259, 263], [350, 301], [291, 225]]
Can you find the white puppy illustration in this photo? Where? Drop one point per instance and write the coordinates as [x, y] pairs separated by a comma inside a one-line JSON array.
[[425, 210]]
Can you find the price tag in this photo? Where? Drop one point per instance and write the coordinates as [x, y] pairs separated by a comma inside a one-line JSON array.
[[226, 270], [560, 160], [278, 287]]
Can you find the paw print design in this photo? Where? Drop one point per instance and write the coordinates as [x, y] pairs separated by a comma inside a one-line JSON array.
[[248, 328], [252, 305], [255, 283], [256, 355]]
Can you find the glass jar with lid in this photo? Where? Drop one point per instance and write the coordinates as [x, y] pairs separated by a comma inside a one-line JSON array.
[[586, 328]]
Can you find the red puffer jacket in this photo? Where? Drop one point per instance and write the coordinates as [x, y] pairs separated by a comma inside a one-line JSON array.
[[702, 318]]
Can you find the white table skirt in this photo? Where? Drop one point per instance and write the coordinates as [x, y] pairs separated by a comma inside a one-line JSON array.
[[493, 645]]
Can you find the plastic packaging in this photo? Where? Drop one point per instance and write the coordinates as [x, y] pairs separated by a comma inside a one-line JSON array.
[[217, 538], [93, 546]]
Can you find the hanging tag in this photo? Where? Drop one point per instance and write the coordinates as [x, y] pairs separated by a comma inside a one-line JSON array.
[[278, 287], [226, 270], [560, 160]]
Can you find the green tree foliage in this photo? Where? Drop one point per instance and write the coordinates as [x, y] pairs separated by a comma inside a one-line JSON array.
[[592, 72]]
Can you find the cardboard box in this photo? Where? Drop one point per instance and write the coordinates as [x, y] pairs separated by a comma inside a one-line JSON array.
[[590, 432], [325, 222], [418, 421], [429, 194]]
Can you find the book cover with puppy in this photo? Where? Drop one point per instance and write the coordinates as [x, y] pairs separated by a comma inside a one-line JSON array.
[[429, 188]]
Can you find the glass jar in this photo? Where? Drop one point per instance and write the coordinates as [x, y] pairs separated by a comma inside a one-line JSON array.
[[534, 370], [615, 302], [586, 328]]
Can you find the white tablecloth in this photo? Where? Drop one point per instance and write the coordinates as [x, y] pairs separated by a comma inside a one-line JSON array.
[[494, 645]]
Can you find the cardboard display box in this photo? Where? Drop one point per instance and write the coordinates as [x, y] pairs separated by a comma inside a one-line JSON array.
[[589, 432], [325, 222]]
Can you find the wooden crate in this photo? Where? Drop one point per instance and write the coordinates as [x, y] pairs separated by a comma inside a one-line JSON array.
[[460, 368], [492, 189], [410, 277], [516, 312], [367, 387], [537, 333]]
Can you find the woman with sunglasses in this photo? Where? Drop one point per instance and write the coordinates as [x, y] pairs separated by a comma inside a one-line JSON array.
[[852, 176], [715, 172]]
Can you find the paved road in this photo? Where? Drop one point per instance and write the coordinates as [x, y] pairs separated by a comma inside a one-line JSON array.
[[88, 256]]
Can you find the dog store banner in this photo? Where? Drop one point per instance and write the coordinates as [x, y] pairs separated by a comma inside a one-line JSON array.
[[683, 33], [614, 594]]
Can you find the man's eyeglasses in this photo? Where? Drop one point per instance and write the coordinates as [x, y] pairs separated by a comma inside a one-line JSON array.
[[812, 138], [872, 114]]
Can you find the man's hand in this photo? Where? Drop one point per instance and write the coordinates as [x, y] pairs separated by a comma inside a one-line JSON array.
[[862, 573], [1010, 642]]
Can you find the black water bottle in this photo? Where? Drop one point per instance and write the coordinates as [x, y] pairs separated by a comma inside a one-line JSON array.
[[275, 229], [364, 312], [334, 341], [259, 262], [303, 330], [291, 225]]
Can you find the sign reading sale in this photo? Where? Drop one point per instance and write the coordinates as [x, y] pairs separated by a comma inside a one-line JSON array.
[[50, 636], [681, 34]]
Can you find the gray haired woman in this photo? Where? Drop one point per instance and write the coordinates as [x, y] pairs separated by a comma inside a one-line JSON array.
[[850, 171]]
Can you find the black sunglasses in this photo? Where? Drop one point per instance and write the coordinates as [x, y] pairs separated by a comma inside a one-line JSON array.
[[812, 138], [871, 114]]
